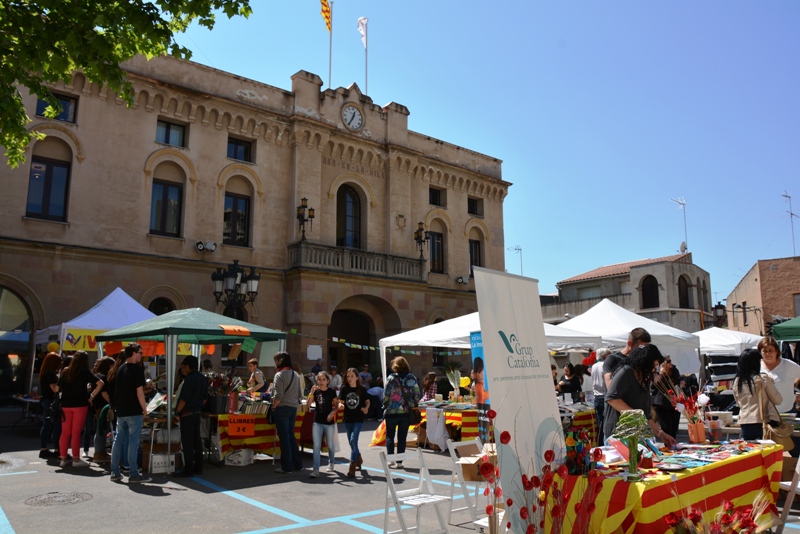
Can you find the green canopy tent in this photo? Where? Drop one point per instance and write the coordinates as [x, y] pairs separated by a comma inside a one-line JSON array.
[[787, 331], [196, 326]]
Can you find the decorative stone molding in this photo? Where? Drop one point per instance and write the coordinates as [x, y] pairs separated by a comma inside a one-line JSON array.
[[63, 133], [358, 180], [477, 223], [439, 213], [240, 169], [173, 155], [167, 292]]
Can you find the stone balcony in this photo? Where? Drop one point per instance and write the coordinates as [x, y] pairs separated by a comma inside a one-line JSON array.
[[305, 255]]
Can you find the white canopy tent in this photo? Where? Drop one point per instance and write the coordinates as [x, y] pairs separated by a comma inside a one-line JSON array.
[[722, 341], [455, 333], [117, 310], [613, 323]]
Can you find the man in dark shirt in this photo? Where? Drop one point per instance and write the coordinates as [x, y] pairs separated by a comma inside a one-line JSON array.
[[130, 409], [194, 391]]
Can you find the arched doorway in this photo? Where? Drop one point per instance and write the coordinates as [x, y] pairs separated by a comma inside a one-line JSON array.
[[15, 335]]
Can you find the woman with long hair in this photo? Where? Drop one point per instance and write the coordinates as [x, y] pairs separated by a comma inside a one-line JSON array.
[[325, 405], [429, 387], [630, 390], [75, 400], [400, 396], [287, 393], [100, 409], [746, 386], [48, 381], [356, 406]]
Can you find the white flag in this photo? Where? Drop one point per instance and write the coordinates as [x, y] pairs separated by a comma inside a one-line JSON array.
[[362, 29]]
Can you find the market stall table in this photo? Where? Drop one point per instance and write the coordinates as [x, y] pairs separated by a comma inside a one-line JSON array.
[[464, 418], [30, 411], [641, 507]]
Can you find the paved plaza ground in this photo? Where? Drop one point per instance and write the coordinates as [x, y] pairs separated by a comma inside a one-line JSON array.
[[39, 496]]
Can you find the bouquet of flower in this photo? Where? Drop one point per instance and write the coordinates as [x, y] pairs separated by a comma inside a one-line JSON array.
[[221, 384], [757, 518], [453, 373], [691, 406]]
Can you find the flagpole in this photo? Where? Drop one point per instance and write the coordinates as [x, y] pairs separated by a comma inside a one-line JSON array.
[[330, 48], [366, 59]]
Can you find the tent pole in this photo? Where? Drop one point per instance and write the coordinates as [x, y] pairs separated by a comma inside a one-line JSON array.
[[171, 349]]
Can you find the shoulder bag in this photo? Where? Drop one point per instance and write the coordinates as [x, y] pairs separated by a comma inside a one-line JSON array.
[[270, 415], [781, 434], [56, 412], [414, 415]]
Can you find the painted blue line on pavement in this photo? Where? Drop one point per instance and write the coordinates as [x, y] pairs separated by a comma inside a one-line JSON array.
[[253, 502], [18, 473], [5, 526]]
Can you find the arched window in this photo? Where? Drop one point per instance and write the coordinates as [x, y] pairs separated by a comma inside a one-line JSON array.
[[166, 202], [48, 183], [161, 305], [684, 295], [475, 250], [348, 218], [438, 247], [236, 216], [650, 292]]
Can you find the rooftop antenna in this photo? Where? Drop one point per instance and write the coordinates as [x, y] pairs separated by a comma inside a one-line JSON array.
[[518, 249], [682, 203], [792, 215]]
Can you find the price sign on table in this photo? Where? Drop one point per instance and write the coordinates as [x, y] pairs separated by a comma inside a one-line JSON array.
[[241, 426]]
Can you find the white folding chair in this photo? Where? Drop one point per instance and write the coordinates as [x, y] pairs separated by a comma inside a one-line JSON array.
[[791, 489], [418, 497], [457, 450]]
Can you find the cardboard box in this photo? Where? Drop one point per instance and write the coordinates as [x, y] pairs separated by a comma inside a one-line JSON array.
[[789, 464], [240, 458], [471, 461], [162, 463]]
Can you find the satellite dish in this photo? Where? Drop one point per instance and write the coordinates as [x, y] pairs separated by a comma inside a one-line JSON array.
[[683, 247]]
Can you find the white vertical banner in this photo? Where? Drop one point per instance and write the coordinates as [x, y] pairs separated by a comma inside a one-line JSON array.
[[518, 369]]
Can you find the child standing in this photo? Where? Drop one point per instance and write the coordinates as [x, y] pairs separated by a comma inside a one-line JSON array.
[[324, 418], [356, 407]]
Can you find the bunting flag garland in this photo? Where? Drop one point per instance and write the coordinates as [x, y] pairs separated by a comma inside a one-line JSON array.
[[326, 13]]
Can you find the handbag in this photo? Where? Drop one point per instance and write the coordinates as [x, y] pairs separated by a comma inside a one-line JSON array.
[[56, 412], [781, 434]]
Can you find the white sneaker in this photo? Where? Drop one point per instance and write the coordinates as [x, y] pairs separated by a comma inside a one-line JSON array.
[[314, 474], [64, 462], [392, 465], [399, 465], [79, 463], [330, 468]]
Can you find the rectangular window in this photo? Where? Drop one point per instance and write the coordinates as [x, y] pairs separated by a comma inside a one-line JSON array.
[[165, 209], [170, 134], [238, 149], [474, 255], [796, 304], [437, 197], [744, 312], [236, 220], [437, 252], [48, 187], [475, 206], [68, 108]]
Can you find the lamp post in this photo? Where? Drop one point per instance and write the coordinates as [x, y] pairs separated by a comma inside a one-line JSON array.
[[235, 288], [755, 309], [720, 315], [303, 219], [421, 236]]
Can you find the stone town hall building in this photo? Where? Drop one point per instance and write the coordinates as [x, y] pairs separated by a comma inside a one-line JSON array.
[[121, 197]]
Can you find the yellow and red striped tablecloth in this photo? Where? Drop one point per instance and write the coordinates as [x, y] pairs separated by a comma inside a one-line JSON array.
[[641, 507], [467, 420]]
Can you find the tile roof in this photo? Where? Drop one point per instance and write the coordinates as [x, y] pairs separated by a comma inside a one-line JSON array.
[[625, 268]]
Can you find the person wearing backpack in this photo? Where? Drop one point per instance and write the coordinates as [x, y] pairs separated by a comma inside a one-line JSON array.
[[194, 392], [400, 396]]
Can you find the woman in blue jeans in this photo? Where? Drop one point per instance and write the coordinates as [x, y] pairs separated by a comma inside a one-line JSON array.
[[401, 395], [287, 393], [356, 407], [48, 381]]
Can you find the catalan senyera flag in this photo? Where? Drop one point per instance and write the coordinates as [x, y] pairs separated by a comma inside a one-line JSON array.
[[326, 13]]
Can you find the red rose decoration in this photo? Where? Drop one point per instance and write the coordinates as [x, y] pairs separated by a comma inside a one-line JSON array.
[[528, 485], [597, 454], [505, 437], [536, 481], [672, 519], [524, 478], [555, 511], [541, 523], [726, 520], [549, 456], [563, 471], [695, 516], [486, 491], [509, 502], [487, 469], [498, 492], [728, 506], [523, 513], [531, 529], [491, 414], [489, 509]]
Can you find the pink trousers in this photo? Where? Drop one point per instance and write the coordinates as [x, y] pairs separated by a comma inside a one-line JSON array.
[[72, 427]]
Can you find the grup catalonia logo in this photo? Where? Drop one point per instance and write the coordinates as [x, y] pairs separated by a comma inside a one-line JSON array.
[[520, 356]]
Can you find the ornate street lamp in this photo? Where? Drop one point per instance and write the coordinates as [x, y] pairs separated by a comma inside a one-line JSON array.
[[235, 288], [720, 315], [421, 236], [303, 219]]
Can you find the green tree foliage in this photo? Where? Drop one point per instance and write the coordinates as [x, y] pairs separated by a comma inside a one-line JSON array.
[[44, 41]]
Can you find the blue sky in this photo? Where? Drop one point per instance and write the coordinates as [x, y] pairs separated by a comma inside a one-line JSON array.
[[601, 113]]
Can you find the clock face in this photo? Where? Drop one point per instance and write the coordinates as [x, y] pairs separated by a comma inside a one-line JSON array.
[[352, 117]]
